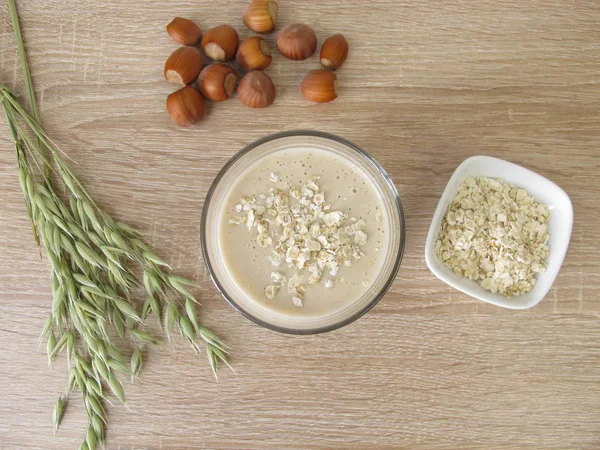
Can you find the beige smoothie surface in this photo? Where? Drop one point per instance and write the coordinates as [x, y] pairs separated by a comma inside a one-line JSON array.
[[303, 232]]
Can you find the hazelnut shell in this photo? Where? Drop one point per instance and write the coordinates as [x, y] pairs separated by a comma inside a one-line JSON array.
[[217, 82], [334, 52], [184, 65], [256, 90], [297, 41], [261, 15], [185, 106], [184, 31], [319, 86], [220, 43], [254, 54]]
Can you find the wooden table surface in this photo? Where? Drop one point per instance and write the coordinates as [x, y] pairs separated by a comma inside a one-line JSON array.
[[426, 85]]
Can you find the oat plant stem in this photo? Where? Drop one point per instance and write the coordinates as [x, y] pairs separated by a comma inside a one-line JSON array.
[[96, 264]]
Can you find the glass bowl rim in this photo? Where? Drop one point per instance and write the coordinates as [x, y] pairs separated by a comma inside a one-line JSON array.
[[308, 133]]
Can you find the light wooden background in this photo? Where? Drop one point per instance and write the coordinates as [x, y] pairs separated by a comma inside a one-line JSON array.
[[427, 84]]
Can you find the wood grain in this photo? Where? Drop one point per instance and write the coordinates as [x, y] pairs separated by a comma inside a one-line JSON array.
[[426, 85]]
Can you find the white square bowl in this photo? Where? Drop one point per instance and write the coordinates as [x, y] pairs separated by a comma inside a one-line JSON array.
[[543, 190]]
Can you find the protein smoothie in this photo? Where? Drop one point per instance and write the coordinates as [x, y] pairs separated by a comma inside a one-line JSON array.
[[303, 232]]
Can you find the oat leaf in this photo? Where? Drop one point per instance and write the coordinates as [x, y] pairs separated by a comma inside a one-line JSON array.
[[50, 346], [88, 254], [98, 427], [149, 256], [126, 308], [212, 360], [190, 309], [118, 366], [46, 329], [170, 317], [136, 363], [117, 388], [58, 413], [127, 229], [91, 438], [96, 406], [187, 328], [179, 287], [143, 336], [82, 279], [155, 308], [118, 322]]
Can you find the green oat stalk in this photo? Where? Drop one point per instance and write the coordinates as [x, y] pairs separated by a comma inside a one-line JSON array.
[[91, 258]]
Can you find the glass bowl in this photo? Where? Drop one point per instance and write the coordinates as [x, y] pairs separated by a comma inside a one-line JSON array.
[[210, 229]]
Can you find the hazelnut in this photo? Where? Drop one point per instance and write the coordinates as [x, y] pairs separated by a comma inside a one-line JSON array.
[[217, 82], [261, 15], [254, 54], [220, 43], [334, 51], [319, 86], [183, 66], [185, 106], [297, 41], [256, 90], [184, 31]]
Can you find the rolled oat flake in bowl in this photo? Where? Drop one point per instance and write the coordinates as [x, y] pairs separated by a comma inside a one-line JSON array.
[[496, 234]]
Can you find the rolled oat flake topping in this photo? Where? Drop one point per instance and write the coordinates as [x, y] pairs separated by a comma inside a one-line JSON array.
[[303, 233]]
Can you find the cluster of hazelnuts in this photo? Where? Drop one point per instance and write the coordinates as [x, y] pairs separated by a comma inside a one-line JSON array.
[[217, 81]]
